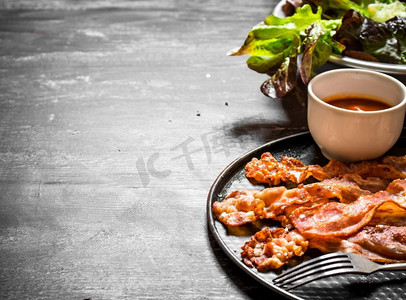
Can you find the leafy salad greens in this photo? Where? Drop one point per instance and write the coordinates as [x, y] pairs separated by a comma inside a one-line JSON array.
[[312, 35]]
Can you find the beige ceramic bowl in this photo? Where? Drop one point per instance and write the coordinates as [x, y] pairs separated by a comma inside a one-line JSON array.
[[354, 135]]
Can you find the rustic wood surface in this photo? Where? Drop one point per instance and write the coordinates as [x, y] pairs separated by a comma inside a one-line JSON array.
[[115, 119]]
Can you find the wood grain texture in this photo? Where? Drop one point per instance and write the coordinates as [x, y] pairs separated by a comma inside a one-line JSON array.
[[115, 119]]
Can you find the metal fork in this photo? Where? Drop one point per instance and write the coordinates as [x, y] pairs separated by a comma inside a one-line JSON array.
[[329, 265]]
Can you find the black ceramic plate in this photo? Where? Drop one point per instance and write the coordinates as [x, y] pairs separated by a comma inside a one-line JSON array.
[[378, 286]]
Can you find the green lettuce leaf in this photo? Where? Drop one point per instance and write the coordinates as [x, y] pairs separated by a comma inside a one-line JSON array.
[[384, 10], [377, 10], [397, 26], [283, 81], [275, 44], [317, 49], [319, 28], [363, 37], [378, 40]]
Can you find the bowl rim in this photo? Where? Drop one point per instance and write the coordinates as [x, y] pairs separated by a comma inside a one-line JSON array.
[[398, 106]]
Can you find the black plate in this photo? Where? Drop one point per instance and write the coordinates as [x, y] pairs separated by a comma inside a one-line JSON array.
[[378, 286]]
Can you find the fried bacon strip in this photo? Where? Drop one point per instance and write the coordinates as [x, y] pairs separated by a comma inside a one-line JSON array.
[[380, 243], [389, 167], [271, 249], [373, 184], [277, 203], [268, 170], [313, 209], [359, 208], [344, 219], [246, 206], [374, 225]]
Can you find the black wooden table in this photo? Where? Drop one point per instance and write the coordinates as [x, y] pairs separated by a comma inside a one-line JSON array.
[[115, 119]]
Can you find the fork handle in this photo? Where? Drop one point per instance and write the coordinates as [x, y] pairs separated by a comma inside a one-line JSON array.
[[399, 266]]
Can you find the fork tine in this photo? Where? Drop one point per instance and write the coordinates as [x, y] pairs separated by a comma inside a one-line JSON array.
[[304, 266], [322, 275], [323, 267]]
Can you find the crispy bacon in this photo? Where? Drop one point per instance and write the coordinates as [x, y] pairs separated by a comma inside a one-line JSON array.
[[271, 249], [380, 243], [359, 208], [245, 206], [269, 170], [344, 219], [373, 226], [373, 174], [389, 168], [373, 184]]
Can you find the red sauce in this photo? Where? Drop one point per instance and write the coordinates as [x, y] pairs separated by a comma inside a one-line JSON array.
[[357, 102]]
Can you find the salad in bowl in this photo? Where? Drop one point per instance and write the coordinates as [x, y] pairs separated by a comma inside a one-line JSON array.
[[314, 30]]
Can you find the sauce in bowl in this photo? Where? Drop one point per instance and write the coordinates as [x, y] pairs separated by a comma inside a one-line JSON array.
[[357, 102]]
